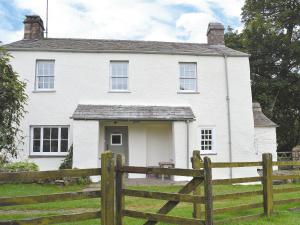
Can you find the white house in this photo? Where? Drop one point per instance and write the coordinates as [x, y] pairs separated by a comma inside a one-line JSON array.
[[151, 101]]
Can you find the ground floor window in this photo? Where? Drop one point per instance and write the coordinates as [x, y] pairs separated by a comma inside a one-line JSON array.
[[207, 140], [49, 140]]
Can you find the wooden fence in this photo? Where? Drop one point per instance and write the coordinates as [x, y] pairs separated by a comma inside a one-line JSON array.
[[113, 192]]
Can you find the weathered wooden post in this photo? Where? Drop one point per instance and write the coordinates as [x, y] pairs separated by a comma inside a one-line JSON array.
[[267, 183], [196, 163], [208, 192], [107, 188], [119, 189]]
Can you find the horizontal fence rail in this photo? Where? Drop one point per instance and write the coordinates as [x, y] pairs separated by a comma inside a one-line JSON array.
[[163, 218], [164, 196], [24, 177], [24, 200], [73, 217], [162, 171]]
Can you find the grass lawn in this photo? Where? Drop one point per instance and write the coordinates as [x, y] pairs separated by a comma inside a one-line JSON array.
[[281, 216]]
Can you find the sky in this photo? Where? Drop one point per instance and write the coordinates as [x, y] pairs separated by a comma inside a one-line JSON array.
[[159, 20]]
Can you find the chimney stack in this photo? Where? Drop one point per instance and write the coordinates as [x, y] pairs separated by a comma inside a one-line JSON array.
[[33, 28], [215, 34]]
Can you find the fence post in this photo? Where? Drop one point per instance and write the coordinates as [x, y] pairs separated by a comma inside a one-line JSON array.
[[119, 190], [208, 192], [107, 188], [267, 183], [196, 163]]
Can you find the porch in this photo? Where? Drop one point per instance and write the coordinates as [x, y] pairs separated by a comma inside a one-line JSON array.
[[145, 135]]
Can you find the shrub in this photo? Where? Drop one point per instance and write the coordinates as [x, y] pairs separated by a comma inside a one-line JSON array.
[[19, 166], [68, 161]]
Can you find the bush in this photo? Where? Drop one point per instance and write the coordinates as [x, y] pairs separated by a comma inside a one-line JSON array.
[[68, 161], [19, 167]]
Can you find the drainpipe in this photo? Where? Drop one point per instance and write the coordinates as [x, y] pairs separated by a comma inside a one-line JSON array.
[[228, 113], [187, 143]]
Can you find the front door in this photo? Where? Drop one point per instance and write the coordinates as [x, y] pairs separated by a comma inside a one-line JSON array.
[[116, 140]]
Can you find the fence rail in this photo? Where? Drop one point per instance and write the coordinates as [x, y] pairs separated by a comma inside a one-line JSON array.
[[113, 192]]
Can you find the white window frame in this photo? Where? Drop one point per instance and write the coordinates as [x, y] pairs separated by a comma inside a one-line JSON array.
[[116, 134], [111, 77], [213, 151], [37, 76], [41, 153], [194, 78]]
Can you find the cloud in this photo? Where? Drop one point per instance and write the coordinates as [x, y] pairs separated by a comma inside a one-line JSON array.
[[164, 20]]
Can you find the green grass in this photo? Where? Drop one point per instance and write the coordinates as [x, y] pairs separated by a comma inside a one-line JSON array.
[[281, 216]]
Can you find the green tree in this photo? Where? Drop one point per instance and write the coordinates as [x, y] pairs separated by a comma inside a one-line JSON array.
[[272, 36], [12, 102]]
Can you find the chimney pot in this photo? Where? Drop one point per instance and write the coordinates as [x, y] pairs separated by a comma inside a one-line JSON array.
[[215, 34], [33, 27]]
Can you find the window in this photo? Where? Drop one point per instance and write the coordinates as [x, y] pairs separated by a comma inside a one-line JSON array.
[[188, 77], [49, 140], [116, 139], [45, 74], [119, 76], [207, 142]]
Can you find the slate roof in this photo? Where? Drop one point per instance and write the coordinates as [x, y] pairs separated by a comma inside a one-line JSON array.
[[260, 119], [132, 112], [120, 46]]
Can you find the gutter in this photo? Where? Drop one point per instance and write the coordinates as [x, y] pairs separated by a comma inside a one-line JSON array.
[[228, 112]]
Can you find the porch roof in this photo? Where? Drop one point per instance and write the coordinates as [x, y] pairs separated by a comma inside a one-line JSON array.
[[133, 112]]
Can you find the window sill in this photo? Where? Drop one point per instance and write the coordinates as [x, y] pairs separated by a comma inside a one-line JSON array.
[[47, 156], [112, 91], [44, 91], [188, 92]]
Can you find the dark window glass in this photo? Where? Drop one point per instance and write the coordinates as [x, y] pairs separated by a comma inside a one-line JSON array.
[[54, 133], [64, 145], [46, 146], [54, 146], [116, 139], [64, 133], [36, 146], [36, 133], [46, 133]]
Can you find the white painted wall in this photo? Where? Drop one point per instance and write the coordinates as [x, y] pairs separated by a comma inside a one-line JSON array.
[[86, 144], [153, 80], [265, 141]]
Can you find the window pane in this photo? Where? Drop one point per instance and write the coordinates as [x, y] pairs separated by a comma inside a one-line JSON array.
[[188, 70], [46, 146], [36, 133], [54, 146], [47, 133], [64, 145], [119, 83], [54, 133], [64, 133], [116, 139], [188, 84], [207, 139], [119, 69], [45, 74], [36, 146]]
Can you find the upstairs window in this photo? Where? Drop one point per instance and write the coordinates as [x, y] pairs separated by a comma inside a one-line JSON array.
[[207, 140], [188, 77], [49, 140], [45, 74], [119, 76]]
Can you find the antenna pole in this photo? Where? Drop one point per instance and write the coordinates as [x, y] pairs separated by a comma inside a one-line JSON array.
[[47, 20]]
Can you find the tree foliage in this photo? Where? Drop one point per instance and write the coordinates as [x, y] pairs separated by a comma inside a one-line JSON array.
[[12, 102], [272, 36]]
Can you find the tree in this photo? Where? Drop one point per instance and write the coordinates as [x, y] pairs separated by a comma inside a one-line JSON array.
[[272, 36], [12, 102]]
